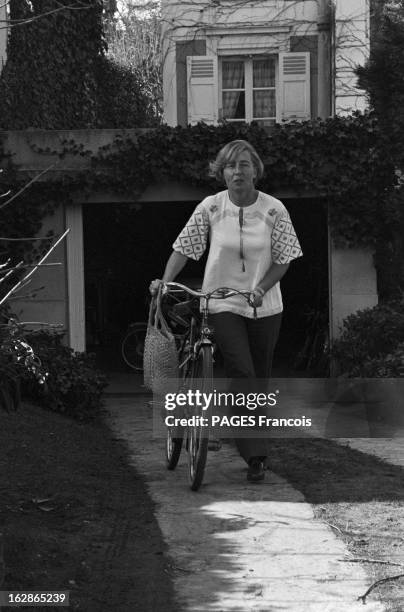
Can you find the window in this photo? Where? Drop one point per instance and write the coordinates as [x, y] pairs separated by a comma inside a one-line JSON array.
[[248, 89]]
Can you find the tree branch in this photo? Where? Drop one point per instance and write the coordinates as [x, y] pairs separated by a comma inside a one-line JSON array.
[[37, 177], [12, 23], [13, 289], [375, 584]]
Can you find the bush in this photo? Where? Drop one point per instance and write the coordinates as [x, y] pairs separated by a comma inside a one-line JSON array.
[[372, 342], [9, 387], [10, 367], [388, 366], [74, 385]]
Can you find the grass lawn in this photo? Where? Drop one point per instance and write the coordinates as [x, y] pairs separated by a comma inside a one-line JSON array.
[[360, 497], [75, 517]]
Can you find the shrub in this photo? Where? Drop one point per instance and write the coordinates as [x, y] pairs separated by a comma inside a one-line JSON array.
[[388, 366], [372, 342], [74, 385], [9, 387], [10, 367]]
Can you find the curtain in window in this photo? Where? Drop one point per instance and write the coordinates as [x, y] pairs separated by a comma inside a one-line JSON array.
[[264, 103], [264, 100], [233, 79], [264, 73]]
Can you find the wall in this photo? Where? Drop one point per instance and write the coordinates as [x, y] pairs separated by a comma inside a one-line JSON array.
[[50, 303], [269, 24], [3, 34], [353, 281], [351, 50], [353, 284], [280, 21]]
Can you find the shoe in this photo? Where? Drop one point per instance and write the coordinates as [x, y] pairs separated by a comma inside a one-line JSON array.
[[256, 470]]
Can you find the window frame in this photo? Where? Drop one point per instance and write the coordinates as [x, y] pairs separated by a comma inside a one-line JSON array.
[[248, 86]]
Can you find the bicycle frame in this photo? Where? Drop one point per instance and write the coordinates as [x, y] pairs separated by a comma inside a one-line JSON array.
[[206, 331], [197, 365]]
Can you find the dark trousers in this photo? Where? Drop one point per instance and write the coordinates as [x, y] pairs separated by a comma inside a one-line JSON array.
[[247, 346]]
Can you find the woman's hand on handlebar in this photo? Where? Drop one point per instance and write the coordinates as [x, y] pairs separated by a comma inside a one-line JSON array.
[[257, 297], [154, 286]]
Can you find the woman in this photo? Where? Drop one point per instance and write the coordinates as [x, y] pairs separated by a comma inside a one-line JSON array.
[[252, 242]]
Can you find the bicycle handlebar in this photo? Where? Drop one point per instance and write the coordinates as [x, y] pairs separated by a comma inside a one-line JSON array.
[[216, 294], [219, 293]]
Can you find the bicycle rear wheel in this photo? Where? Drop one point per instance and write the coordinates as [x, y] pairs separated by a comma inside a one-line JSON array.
[[198, 436], [133, 346]]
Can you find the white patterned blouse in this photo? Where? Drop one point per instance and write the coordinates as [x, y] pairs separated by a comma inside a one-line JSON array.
[[244, 242]]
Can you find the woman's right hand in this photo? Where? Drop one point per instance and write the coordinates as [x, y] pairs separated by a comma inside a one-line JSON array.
[[154, 286]]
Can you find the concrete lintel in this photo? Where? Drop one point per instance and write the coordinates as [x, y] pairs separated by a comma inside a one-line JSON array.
[[162, 192], [178, 192], [23, 145]]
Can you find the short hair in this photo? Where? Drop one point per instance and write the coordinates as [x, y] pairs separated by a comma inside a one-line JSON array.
[[228, 152]]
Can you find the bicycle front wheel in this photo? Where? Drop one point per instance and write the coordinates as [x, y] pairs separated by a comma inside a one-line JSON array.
[[198, 435], [133, 346], [173, 446]]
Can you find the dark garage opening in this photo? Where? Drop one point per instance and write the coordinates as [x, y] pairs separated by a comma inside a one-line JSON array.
[[127, 245]]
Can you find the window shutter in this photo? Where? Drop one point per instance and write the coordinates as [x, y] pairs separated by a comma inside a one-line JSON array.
[[202, 89], [294, 80]]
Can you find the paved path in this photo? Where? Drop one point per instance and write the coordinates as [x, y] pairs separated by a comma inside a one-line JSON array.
[[236, 546]]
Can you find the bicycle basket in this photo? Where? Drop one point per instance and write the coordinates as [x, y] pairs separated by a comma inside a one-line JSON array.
[[160, 357]]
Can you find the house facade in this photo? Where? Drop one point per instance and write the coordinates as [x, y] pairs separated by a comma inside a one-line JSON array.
[[232, 60], [267, 61]]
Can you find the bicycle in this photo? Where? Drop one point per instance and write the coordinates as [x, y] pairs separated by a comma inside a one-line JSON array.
[[132, 346], [195, 349]]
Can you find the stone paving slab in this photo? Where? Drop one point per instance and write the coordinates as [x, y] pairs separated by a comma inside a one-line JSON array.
[[237, 546]]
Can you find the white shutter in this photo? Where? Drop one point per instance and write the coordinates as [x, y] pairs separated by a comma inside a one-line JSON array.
[[294, 81], [202, 89]]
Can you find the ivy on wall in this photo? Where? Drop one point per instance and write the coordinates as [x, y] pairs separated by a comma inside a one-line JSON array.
[[345, 161], [48, 80], [57, 76]]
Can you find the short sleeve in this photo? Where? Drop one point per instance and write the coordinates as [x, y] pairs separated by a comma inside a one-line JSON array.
[[285, 244], [193, 239]]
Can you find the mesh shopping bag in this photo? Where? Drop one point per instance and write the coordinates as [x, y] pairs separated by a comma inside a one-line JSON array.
[[160, 357]]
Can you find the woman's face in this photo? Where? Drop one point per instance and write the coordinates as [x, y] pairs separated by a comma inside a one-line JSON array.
[[239, 172]]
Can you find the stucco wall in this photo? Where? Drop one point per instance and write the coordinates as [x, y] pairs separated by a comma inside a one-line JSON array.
[[353, 284], [212, 22], [50, 303], [225, 25], [3, 35], [351, 50]]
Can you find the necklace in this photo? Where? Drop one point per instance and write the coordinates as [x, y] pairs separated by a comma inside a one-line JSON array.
[[241, 223]]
